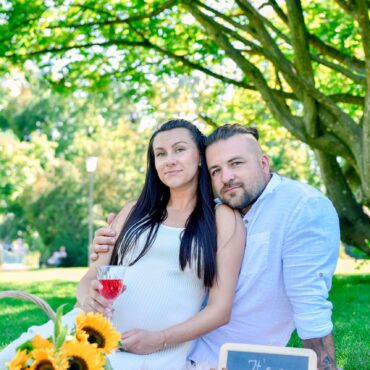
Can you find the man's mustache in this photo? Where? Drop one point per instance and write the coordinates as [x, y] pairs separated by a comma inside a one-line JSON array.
[[230, 185]]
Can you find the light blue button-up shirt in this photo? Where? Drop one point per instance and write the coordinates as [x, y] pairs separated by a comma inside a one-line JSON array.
[[291, 253]]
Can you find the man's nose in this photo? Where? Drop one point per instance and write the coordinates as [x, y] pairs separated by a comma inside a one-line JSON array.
[[227, 175]]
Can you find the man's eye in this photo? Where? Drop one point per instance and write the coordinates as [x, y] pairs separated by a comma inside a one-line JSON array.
[[215, 172], [234, 164]]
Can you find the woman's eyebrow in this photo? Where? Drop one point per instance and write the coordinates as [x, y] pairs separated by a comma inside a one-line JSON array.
[[177, 142]]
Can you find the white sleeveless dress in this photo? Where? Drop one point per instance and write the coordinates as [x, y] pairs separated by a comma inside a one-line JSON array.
[[158, 295]]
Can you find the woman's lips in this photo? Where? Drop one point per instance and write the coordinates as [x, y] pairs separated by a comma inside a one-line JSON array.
[[172, 172]]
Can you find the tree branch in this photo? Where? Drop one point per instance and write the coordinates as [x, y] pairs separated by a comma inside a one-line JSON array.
[[337, 67], [280, 111], [302, 62], [208, 120], [352, 62], [278, 11], [348, 98], [134, 18], [323, 47], [348, 130], [226, 18], [346, 6], [147, 44]]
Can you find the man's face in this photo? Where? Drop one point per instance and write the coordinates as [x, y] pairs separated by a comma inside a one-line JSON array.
[[239, 170]]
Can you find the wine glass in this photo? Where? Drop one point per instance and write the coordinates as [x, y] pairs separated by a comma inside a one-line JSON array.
[[111, 279]]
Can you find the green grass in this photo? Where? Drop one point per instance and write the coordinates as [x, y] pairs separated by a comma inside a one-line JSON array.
[[351, 314], [16, 316], [350, 296]]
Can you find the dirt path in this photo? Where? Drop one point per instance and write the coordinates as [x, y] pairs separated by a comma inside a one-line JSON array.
[[66, 274]]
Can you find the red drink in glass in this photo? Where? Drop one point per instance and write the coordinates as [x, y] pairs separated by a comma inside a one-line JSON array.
[[111, 279], [112, 288]]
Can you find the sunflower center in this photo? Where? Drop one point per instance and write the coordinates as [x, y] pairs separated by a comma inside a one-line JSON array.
[[95, 337], [77, 363], [45, 365]]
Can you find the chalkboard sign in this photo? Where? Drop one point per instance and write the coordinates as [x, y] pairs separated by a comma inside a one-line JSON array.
[[235, 356]]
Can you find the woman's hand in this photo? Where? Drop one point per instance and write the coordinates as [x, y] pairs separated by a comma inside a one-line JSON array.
[[143, 342], [95, 302]]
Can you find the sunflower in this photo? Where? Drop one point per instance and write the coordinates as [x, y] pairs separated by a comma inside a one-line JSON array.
[[82, 356], [95, 328], [19, 361], [40, 342], [44, 359]]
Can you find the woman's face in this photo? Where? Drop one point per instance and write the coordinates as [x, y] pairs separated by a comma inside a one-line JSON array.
[[176, 158]]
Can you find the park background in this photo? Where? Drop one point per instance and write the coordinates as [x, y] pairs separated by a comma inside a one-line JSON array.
[[94, 78]]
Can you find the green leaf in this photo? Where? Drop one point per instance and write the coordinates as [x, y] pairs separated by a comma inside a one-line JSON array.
[[60, 332], [107, 365], [28, 346]]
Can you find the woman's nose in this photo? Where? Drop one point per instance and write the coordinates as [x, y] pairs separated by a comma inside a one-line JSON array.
[[170, 159]]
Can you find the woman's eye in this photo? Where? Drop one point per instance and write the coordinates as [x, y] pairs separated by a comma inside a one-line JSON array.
[[159, 154], [179, 150]]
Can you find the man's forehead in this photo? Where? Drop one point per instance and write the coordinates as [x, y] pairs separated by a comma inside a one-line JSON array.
[[237, 145]]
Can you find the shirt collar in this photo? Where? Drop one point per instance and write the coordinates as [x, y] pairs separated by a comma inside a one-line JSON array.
[[270, 187]]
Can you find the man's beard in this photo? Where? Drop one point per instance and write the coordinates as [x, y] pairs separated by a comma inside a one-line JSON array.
[[243, 201]]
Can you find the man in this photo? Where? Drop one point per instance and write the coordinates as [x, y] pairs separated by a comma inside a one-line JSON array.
[[291, 251]]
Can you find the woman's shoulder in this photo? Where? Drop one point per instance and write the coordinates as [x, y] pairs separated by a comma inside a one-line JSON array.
[[223, 210], [228, 219], [122, 215]]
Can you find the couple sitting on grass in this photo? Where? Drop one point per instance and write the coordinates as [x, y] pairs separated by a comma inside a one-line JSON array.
[[250, 269]]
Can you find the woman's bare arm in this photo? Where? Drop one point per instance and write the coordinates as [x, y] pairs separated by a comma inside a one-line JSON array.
[[88, 297]]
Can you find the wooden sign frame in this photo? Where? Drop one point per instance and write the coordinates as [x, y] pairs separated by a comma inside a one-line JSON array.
[[258, 350]]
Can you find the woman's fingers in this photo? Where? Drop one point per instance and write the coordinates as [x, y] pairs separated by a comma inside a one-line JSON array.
[[96, 302], [128, 334]]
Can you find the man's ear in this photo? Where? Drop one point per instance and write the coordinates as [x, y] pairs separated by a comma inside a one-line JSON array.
[[265, 162]]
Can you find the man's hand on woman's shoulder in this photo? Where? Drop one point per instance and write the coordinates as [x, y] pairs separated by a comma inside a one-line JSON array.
[[104, 239]]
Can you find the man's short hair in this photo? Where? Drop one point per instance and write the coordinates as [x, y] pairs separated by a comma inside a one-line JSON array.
[[226, 131]]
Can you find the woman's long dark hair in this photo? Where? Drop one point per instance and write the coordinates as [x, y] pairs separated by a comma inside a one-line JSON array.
[[199, 239]]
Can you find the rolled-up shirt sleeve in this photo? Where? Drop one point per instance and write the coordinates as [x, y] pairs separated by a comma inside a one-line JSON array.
[[310, 255]]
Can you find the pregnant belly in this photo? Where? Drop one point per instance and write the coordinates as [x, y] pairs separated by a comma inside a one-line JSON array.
[[158, 302]]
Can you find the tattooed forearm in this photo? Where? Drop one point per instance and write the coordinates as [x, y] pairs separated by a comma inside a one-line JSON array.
[[324, 348]]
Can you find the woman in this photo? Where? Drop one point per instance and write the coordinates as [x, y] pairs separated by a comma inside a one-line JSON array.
[[178, 248], [169, 237]]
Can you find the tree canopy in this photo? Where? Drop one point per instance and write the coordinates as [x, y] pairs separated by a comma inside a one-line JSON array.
[[308, 60]]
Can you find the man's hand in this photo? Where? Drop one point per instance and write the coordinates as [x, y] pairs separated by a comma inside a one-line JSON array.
[[104, 239], [324, 348]]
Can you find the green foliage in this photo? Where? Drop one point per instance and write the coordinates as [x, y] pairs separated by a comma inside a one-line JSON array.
[[43, 182], [307, 61]]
